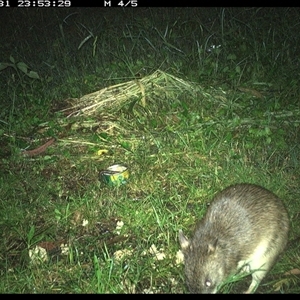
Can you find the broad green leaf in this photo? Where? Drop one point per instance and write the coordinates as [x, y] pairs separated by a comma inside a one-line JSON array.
[[33, 75], [23, 67], [12, 59], [4, 66]]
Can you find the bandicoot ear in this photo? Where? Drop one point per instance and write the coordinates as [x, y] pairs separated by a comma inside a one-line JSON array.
[[212, 247], [183, 240]]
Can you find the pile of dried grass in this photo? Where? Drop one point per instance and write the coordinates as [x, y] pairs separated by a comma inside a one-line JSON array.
[[158, 85]]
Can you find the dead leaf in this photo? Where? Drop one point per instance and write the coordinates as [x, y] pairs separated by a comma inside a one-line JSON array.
[[254, 93], [292, 272], [279, 284]]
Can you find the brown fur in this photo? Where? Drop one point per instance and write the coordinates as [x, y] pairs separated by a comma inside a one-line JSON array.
[[245, 227]]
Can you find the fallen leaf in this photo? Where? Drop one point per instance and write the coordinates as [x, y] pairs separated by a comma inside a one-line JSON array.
[[279, 284], [292, 272], [254, 93]]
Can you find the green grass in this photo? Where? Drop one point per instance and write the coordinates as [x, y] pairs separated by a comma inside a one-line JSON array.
[[232, 116]]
